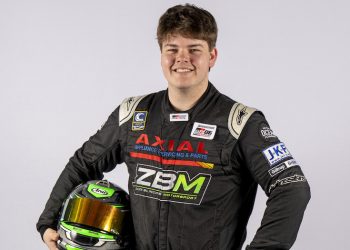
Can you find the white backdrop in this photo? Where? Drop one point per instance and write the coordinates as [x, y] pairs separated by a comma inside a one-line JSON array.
[[65, 65]]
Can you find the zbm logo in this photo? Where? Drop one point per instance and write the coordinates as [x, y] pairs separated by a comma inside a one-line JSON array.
[[168, 185]]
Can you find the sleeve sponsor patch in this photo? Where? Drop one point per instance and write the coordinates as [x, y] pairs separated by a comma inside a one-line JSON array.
[[287, 180], [276, 153], [266, 133], [283, 166]]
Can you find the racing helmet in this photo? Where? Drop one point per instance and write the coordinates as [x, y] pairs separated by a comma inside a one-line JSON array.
[[96, 215]]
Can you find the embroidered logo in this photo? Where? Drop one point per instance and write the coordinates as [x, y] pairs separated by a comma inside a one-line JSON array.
[[139, 120], [178, 117], [203, 131], [241, 114]]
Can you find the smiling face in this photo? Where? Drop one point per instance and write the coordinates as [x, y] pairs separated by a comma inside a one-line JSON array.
[[186, 62]]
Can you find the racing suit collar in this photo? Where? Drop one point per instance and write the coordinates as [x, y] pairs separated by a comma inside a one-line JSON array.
[[168, 109]]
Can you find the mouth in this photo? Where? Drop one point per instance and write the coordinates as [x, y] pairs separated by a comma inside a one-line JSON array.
[[182, 70]]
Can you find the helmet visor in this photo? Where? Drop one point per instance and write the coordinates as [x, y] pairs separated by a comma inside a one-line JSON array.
[[93, 213]]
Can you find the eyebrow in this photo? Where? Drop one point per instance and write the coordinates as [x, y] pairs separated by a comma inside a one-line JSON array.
[[189, 46]]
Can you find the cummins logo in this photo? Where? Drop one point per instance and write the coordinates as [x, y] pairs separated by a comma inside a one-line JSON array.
[[169, 185]]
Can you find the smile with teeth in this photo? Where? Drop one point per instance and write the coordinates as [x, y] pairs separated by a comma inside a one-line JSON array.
[[183, 70]]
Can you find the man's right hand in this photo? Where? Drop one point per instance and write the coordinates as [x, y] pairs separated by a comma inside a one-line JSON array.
[[50, 238]]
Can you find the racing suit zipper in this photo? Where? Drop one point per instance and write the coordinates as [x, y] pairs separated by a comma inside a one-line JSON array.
[[164, 205]]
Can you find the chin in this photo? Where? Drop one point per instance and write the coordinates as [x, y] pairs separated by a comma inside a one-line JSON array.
[[182, 85]]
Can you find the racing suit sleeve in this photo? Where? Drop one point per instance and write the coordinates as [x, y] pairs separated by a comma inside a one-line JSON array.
[[274, 169], [99, 154]]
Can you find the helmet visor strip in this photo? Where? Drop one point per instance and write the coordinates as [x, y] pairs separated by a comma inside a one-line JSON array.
[[93, 213]]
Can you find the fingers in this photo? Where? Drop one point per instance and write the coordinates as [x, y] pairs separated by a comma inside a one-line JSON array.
[[50, 238], [52, 245]]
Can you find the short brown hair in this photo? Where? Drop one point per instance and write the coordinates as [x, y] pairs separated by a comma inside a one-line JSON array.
[[188, 21]]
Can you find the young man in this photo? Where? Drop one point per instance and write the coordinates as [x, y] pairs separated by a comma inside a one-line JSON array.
[[195, 157]]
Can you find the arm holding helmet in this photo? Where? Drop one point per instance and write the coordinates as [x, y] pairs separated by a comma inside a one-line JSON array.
[[99, 154]]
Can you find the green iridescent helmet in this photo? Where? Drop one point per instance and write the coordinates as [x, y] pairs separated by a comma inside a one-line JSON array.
[[96, 215]]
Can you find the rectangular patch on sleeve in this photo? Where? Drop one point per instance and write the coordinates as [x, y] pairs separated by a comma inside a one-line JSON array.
[[283, 166], [276, 153]]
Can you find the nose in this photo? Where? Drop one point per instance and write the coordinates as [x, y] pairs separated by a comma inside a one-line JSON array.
[[182, 56]]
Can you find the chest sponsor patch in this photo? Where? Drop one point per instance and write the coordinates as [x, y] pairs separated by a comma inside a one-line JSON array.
[[170, 185], [139, 120], [179, 117], [171, 152], [276, 153], [283, 166], [203, 131]]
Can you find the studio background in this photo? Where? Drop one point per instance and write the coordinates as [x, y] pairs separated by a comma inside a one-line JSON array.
[[66, 65]]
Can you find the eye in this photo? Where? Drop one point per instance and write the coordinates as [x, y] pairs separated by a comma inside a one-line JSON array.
[[172, 51], [194, 51]]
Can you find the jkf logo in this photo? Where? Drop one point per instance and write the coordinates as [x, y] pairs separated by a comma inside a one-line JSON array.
[[168, 185]]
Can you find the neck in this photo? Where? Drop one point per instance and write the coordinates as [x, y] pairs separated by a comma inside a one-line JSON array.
[[185, 99]]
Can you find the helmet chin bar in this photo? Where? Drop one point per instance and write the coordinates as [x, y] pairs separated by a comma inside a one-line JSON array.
[[83, 240]]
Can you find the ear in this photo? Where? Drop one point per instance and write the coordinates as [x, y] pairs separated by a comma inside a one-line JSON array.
[[213, 57]]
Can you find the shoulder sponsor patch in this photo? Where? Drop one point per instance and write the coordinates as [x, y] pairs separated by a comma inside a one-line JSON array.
[[127, 108], [241, 114], [139, 120], [203, 131], [266, 133], [283, 166], [179, 117], [276, 153], [238, 117]]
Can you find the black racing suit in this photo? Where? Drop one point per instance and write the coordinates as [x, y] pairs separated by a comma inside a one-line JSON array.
[[193, 175]]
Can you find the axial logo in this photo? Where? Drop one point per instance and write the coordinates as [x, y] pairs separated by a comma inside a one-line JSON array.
[[170, 144], [168, 185], [99, 191]]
